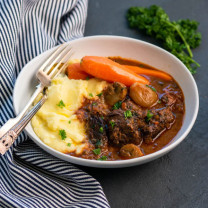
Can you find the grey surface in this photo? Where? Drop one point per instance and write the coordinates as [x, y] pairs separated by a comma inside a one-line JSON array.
[[179, 179]]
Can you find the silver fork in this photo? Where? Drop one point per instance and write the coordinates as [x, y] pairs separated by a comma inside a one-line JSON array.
[[13, 127]]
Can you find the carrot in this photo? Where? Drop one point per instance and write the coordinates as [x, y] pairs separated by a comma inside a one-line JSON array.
[[155, 73], [74, 71], [109, 70]]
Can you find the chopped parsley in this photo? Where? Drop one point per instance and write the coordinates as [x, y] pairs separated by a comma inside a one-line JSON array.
[[94, 103], [62, 133], [101, 129], [102, 117], [103, 158], [149, 116], [69, 144], [128, 114], [87, 78], [100, 94], [69, 122], [152, 88], [98, 143], [117, 105], [112, 123], [90, 94], [96, 151], [61, 104], [159, 101]]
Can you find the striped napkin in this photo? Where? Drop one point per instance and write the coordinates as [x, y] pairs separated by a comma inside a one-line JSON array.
[[30, 177]]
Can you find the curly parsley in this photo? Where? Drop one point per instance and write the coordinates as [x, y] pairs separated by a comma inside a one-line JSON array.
[[178, 37], [149, 116], [127, 114], [117, 105], [62, 133], [103, 158], [97, 151], [61, 104]]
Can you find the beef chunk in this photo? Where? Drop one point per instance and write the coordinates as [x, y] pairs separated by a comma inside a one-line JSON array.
[[168, 99], [125, 130], [92, 114], [96, 129], [175, 100], [161, 120]]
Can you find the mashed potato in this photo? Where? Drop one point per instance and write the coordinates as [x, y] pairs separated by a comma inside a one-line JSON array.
[[51, 118]]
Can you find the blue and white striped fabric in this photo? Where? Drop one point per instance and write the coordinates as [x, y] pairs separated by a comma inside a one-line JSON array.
[[29, 177]]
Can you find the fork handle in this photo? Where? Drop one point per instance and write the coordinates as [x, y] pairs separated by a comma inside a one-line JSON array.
[[13, 121], [11, 135]]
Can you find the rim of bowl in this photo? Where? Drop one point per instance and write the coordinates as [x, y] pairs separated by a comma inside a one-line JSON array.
[[117, 163]]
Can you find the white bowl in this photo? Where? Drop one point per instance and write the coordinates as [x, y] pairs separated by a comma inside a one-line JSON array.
[[127, 48]]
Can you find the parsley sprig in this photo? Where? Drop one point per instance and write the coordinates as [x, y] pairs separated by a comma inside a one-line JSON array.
[[178, 37]]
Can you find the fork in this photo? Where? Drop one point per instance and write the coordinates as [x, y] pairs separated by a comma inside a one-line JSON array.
[[14, 126]]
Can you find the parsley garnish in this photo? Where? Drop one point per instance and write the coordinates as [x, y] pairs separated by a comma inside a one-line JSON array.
[[94, 103], [159, 101], [69, 122], [96, 151], [61, 104], [152, 88], [90, 94], [117, 105], [103, 158], [87, 78], [128, 114], [178, 37], [101, 129], [149, 116], [68, 144], [112, 123], [100, 94], [62, 133]]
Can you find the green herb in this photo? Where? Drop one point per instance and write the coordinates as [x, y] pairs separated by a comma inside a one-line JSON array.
[[96, 151], [69, 122], [90, 94], [87, 78], [141, 65], [152, 88], [159, 101], [102, 117], [117, 105], [101, 129], [149, 116], [112, 124], [94, 103], [103, 158], [128, 114], [62, 133], [178, 37], [100, 94], [68, 144], [61, 104], [98, 143]]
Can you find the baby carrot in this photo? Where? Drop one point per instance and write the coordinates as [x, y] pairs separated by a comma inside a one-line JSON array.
[[74, 71], [109, 70], [155, 73]]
